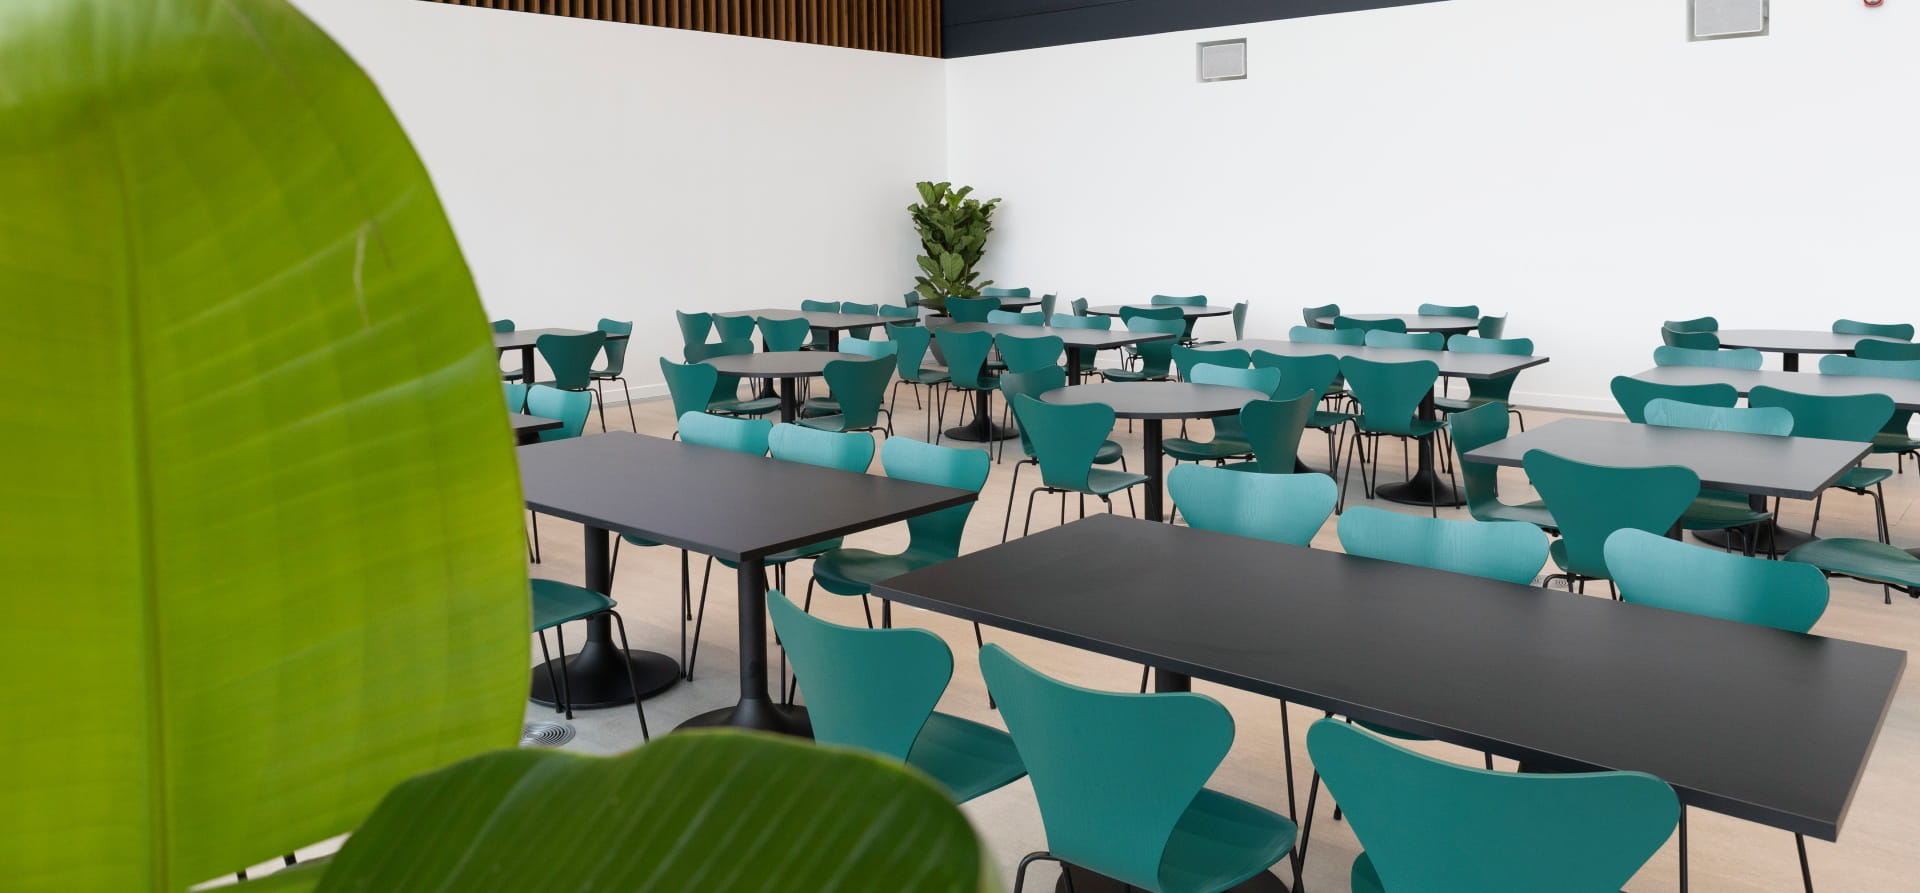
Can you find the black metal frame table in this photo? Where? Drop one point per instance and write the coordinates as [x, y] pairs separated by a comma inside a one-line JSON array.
[[1190, 311], [715, 502], [1752, 722], [1076, 340], [1791, 343], [1758, 465], [527, 428], [832, 324], [1416, 322], [1152, 402], [526, 340], [1425, 486], [786, 365]]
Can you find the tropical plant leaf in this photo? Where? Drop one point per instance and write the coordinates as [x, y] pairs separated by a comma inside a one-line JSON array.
[[714, 810], [262, 511]]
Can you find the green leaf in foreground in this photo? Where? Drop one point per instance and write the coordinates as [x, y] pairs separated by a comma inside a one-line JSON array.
[[262, 541], [717, 810]]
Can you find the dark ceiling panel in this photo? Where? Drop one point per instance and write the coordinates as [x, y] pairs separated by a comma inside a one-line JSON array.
[[976, 27]]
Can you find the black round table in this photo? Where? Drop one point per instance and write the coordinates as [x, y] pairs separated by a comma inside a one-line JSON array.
[[1791, 343], [1187, 310], [1416, 322], [786, 365], [1153, 402]]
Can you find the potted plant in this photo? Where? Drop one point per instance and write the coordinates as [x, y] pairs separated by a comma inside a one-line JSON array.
[[953, 232]]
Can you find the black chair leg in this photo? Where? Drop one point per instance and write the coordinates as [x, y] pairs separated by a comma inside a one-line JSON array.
[[632, 682], [566, 691], [1020, 875], [629, 393], [699, 620], [536, 536], [546, 660], [1806, 871], [1012, 488], [1683, 848]]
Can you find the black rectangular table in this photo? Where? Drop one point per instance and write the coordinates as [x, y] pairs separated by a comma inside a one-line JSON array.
[[715, 502], [1791, 343], [1077, 340], [1769, 726], [525, 340], [1905, 392], [832, 324], [527, 428]]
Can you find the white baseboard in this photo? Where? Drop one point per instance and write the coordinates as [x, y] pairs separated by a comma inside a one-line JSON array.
[[642, 393]]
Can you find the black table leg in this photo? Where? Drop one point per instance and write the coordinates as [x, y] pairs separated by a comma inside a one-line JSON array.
[[526, 365], [1790, 362], [756, 709], [833, 339], [595, 676], [1773, 539], [982, 428], [766, 384], [1150, 462], [788, 404], [1073, 366], [1425, 487]]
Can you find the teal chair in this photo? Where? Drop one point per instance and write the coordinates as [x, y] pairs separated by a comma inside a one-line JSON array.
[[1857, 418], [817, 340], [783, 334], [694, 327], [1273, 428], [1186, 357], [1902, 331], [1513, 551], [876, 690], [1229, 440], [516, 393], [910, 299], [1866, 560], [1875, 349], [690, 386], [1633, 395], [895, 312], [967, 371], [1021, 292], [1893, 437], [1349, 337], [1480, 392], [860, 389], [1720, 509], [1239, 318], [1088, 364], [971, 309], [1156, 357], [1405, 341], [572, 409], [1319, 373], [1473, 429], [1120, 780], [1034, 384], [1431, 825], [1702, 324], [502, 327], [1280, 508], [1389, 395], [1743, 358], [1047, 303], [932, 537], [1370, 325], [570, 358], [1311, 316], [1590, 502], [1066, 439], [1492, 327], [860, 310], [616, 353], [724, 398], [1079, 306], [1029, 354], [873, 350], [1014, 318], [556, 603], [1653, 570], [733, 328], [1130, 354], [1178, 300], [1689, 340], [1469, 311], [910, 357]]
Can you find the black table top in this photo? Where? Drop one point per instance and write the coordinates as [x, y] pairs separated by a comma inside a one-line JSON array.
[[529, 423], [713, 501], [1157, 399], [1186, 310], [1905, 392], [1791, 467], [1094, 339], [780, 363], [1416, 322], [1792, 340], [519, 339], [823, 320], [1452, 365], [1746, 720]]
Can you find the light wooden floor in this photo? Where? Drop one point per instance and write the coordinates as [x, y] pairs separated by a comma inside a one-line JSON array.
[[1875, 852]]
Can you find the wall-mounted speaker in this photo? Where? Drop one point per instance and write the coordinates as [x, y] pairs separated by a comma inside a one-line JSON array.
[[1223, 60], [1716, 19]]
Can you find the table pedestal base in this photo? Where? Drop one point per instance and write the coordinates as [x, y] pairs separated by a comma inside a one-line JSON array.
[[595, 678], [982, 429], [758, 715], [1085, 881], [1426, 488], [1781, 539]]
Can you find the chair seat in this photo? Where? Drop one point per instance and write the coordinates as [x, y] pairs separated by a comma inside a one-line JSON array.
[[1389, 731], [931, 375], [1128, 375], [1324, 419], [1107, 454], [965, 757], [1865, 559], [1102, 481], [824, 422], [1862, 477], [1415, 428], [1205, 450], [756, 406], [1534, 513], [636, 541], [603, 374], [1457, 404], [1221, 841], [854, 571], [555, 603], [1886, 442], [811, 550], [1719, 510]]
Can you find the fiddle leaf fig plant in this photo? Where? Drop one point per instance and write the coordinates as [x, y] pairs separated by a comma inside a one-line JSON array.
[[953, 232]]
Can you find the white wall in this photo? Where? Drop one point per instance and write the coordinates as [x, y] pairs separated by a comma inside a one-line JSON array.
[[1580, 165], [594, 169]]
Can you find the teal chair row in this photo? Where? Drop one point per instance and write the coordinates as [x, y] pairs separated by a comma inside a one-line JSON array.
[[1884, 359], [1902, 331]]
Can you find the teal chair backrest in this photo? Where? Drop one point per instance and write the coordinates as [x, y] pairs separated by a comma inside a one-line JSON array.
[[1069, 321], [1491, 388], [1047, 303], [691, 386], [1389, 393], [1029, 354], [875, 350], [1590, 502], [733, 328], [1513, 551], [1689, 340], [820, 306], [910, 349], [910, 299], [1032, 384], [1900, 330], [1349, 337], [1316, 372], [516, 395], [847, 451], [502, 326], [694, 327], [1311, 316], [1492, 326], [860, 387], [1079, 306], [966, 354], [1263, 380], [971, 309], [894, 311], [1065, 438], [783, 334], [1471, 430], [1273, 428], [1702, 324], [1675, 414], [1185, 358], [1016, 318], [936, 535], [570, 407], [1021, 292], [725, 387], [1439, 827], [739, 435], [1743, 358], [1839, 365], [1469, 311], [1164, 312], [1239, 320], [1875, 349], [1667, 573], [1633, 395], [571, 357], [1405, 341], [1370, 325], [1156, 357], [1179, 300], [1855, 417], [1281, 508], [615, 348], [859, 309], [872, 689], [1112, 773]]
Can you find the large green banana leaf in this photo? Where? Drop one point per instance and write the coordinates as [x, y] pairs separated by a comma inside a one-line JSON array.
[[262, 547]]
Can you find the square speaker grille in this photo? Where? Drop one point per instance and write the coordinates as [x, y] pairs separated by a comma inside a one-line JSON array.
[[1715, 19], [1223, 60]]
